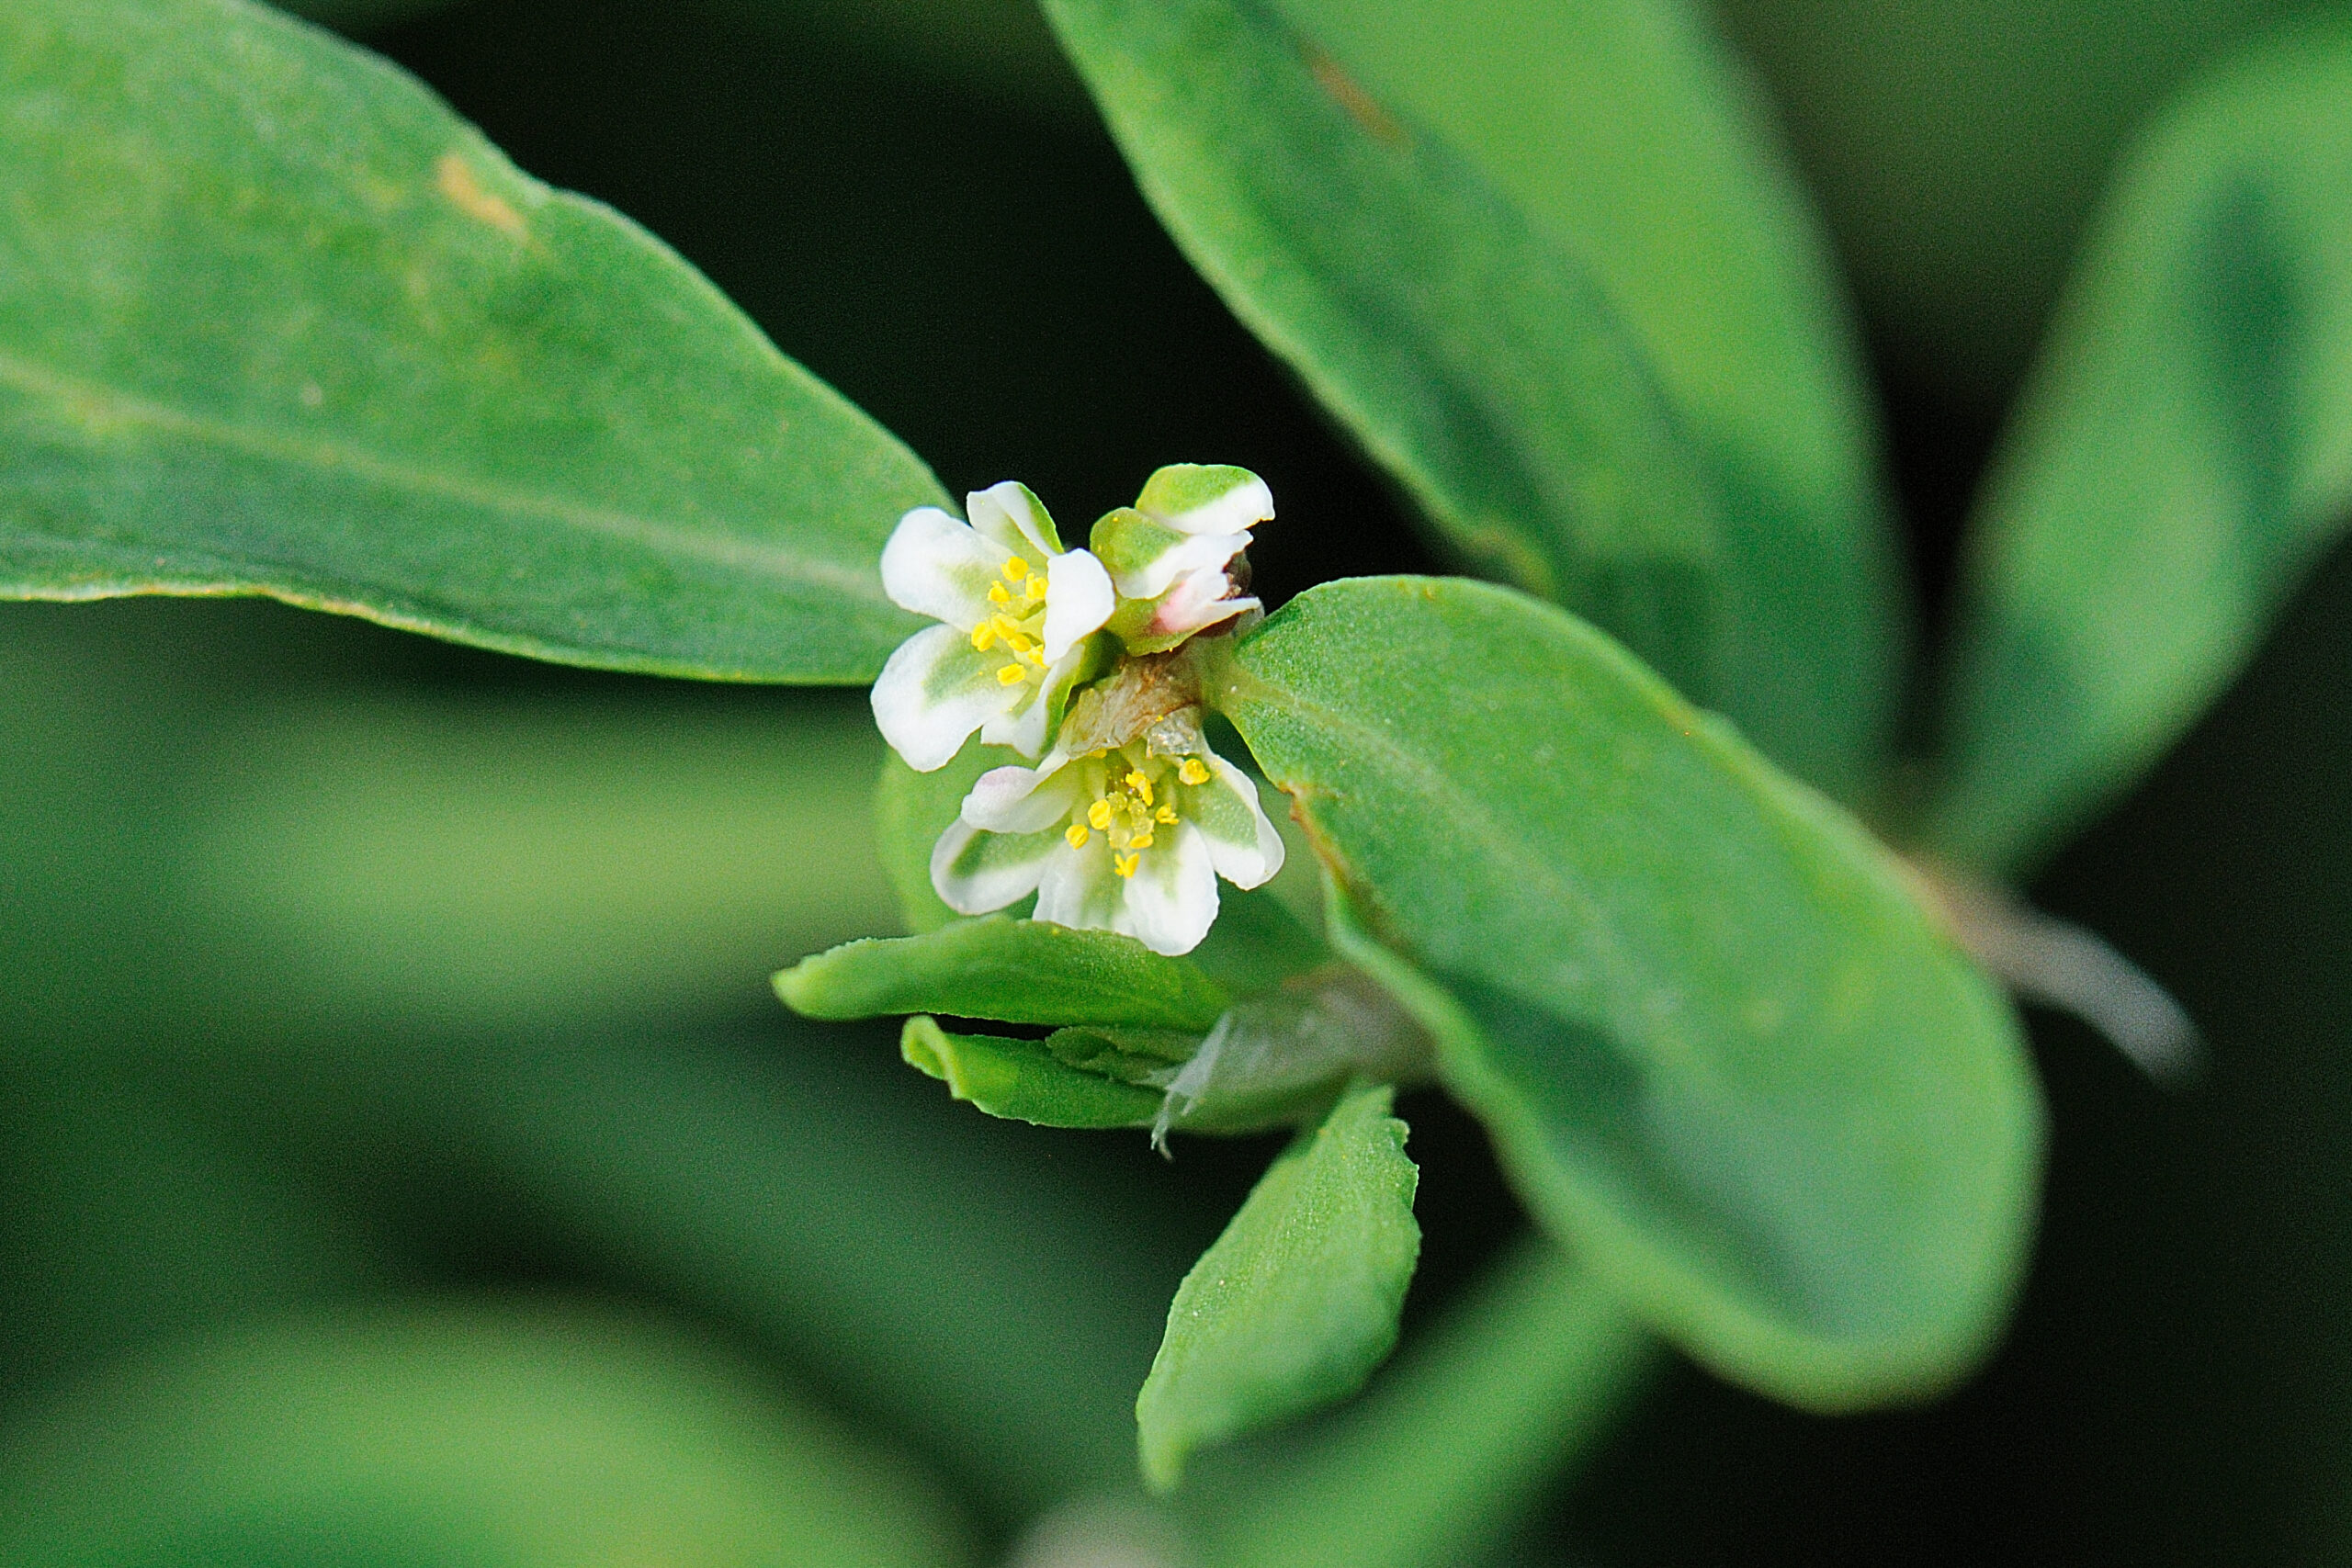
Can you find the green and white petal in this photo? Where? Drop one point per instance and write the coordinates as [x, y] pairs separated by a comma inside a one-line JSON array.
[[1240, 839], [1027, 720], [1206, 498], [938, 567], [1145, 555], [1022, 800], [933, 692], [1010, 514], [1080, 890], [1078, 599], [975, 872], [1172, 900]]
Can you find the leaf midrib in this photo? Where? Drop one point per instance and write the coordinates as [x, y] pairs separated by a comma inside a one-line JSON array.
[[41, 383]]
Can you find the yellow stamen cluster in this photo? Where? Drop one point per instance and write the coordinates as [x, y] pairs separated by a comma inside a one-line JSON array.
[[1128, 808], [1019, 595]]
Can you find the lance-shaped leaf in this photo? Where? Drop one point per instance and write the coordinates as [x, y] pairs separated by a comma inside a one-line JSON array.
[[1296, 1302], [274, 321], [1700, 489], [1721, 1050], [1011, 971], [1629, 138], [2182, 457]]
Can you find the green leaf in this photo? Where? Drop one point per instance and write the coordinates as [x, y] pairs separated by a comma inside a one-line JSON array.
[[1296, 1302], [2182, 457], [1524, 1374], [273, 321], [1023, 1080], [1533, 404], [550, 1438], [1631, 140], [1011, 971], [1722, 1052]]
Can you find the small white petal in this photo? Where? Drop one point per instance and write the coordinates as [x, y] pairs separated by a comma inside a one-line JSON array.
[[933, 692], [1023, 724], [1010, 515], [1078, 599], [938, 567], [1206, 499], [1171, 899], [1196, 553], [1021, 800], [1240, 839], [1080, 890], [974, 873]]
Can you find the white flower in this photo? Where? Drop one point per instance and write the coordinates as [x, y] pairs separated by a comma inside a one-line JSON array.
[[1019, 610], [1170, 555], [1128, 838]]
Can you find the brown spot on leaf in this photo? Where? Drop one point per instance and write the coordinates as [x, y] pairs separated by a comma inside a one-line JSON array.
[[1349, 95], [464, 188]]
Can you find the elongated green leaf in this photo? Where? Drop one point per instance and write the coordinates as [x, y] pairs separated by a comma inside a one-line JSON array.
[[1023, 1081], [454, 1437], [1721, 1050], [1520, 1379], [1627, 135], [1491, 371], [2184, 456], [273, 321], [1011, 971], [1298, 1301]]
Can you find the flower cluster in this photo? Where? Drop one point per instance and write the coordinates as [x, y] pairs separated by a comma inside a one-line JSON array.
[[1078, 660]]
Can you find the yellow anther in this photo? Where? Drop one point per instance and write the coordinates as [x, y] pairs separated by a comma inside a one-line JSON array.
[[1123, 865], [1141, 841], [1011, 675], [1140, 785], [1099, 814], [1193, 771], [1016, 569], [1035, 588], [1076, 835], [1017, 643], [997, 595], [982, 635], [1165, 814]]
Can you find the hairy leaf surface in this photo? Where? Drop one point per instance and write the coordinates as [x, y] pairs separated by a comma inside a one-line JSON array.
[[1296, 1302]]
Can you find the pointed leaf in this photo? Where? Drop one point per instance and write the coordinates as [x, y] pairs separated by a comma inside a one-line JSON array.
[[1722, 1052], [1296, 1302], [274, 321], [2182, 459], [1011, 971]]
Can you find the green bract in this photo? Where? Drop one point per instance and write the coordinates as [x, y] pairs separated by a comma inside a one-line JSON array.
[[1713, 1033], [1298, 1301], [274, 321]]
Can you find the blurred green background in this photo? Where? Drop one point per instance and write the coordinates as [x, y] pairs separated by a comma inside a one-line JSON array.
[[387, 1043]]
